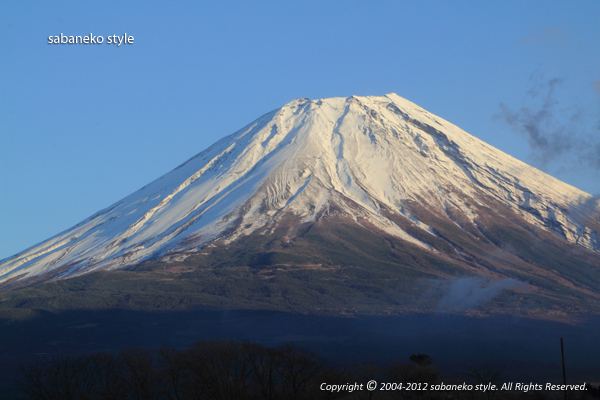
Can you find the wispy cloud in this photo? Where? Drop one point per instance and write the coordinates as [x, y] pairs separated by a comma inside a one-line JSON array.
[[555, 133], [546, 137], [465, 293]]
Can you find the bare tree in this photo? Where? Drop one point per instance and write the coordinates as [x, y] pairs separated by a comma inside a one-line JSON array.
[[297, 370], [265, 364], [141, 378], [486, 375], [175, 373], [221, 371], [64, 378], [109, 382]]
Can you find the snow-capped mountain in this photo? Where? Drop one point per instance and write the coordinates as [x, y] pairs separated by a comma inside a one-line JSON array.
[[381, 162]]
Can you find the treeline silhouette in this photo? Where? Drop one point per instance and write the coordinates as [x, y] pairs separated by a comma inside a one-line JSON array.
[[227, 370]]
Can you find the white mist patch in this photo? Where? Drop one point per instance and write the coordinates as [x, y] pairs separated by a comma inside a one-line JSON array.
[[464, 293]]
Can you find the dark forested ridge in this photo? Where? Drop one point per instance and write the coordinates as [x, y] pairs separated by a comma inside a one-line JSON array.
[[221, 369], [523, 349]]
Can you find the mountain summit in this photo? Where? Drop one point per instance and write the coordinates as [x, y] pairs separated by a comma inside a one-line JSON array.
[[381, 165]]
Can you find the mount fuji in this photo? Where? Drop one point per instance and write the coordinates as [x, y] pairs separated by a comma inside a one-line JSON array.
[[332, 183]]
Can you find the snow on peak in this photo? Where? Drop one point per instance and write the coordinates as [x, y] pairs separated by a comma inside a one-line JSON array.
[[357, 153]]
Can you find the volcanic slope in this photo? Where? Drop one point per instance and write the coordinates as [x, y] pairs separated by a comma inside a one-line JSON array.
[[334, 182]]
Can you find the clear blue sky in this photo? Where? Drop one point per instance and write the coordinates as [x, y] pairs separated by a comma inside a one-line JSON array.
[[82, 126]]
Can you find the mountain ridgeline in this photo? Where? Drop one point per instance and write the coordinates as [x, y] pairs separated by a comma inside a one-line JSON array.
[[363, 204]]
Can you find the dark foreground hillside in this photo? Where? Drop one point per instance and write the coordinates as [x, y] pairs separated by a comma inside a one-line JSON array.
[[222, 369], [351, 312], [524, 349]]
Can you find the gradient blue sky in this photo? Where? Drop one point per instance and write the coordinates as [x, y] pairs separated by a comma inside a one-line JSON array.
[[82, 126]]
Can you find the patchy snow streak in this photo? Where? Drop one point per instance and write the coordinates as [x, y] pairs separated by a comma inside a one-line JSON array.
[[357, 154]]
